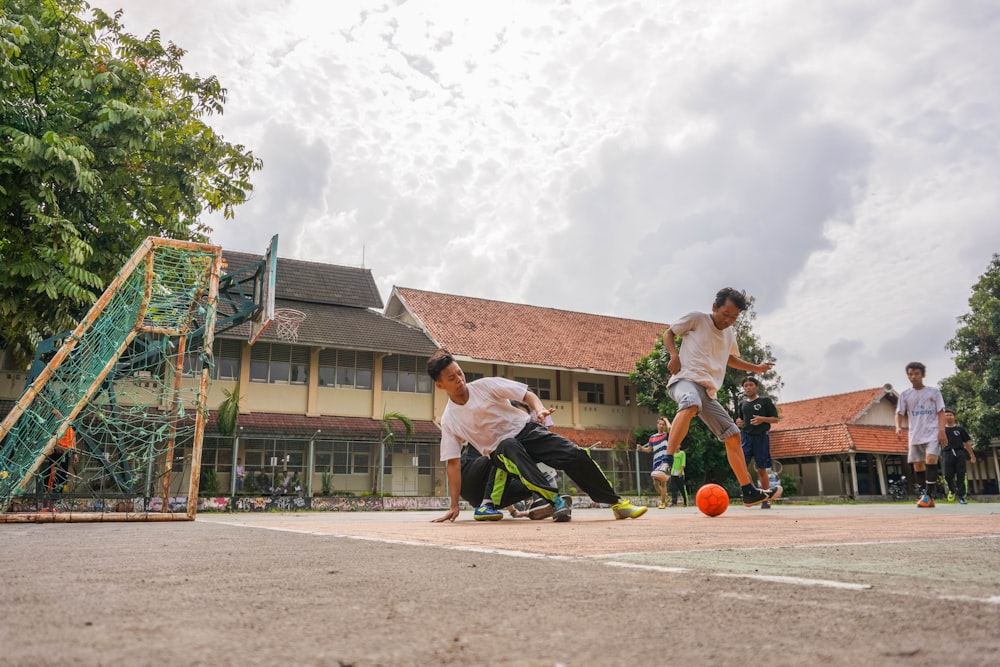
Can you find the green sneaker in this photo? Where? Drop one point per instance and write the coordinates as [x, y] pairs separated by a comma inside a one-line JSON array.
[[562, 510], [626, 510]]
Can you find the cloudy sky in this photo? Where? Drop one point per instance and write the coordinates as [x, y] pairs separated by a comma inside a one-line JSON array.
[[838, 160]]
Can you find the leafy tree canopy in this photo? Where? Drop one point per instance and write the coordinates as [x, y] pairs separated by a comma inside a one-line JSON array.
[[102, 143], [706, 457], [974, 390]]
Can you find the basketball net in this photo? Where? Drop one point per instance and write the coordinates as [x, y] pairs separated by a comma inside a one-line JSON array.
[[286, 324]]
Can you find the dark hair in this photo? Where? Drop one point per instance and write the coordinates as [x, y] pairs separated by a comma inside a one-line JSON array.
[[751, 378], [737, 297], [949, 411], [437, 362], [918, 366]]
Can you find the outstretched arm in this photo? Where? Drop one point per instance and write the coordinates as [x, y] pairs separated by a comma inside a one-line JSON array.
[[454, 471], [744, 365]]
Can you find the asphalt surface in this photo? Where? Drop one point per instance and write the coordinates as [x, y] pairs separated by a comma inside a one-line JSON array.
[[826, 585]]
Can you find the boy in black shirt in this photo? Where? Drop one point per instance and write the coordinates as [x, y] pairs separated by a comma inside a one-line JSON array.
[[757, 413], [953, 456]]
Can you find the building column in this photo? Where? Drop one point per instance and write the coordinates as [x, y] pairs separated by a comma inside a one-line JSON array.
[[377, 386], [854, 476], [244, 374], [312, 387], [575, 401], [882, 482], [819, 477]]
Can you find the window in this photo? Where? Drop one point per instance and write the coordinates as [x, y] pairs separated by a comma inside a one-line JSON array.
[[217, 453], [423, 464], [540, 387], [346, 368], [591, 392], [469, 377], [349, 458], [277, 363], [405, 373], [225, 357]]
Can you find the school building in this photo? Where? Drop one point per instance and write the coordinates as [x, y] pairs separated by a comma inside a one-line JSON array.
[[317, 386]]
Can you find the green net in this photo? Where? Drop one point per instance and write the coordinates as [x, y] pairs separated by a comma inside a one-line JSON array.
[[127, 382]]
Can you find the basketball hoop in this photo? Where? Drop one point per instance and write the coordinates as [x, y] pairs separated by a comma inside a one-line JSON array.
[[286, 324]]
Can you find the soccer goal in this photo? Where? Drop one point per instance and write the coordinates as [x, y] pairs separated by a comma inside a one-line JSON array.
[[111, 427]]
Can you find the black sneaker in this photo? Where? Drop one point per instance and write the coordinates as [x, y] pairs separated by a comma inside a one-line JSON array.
[[540, 509], [755, 496]]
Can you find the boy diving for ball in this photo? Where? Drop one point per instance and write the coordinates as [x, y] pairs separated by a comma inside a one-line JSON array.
[[697, 372], [481, 413]]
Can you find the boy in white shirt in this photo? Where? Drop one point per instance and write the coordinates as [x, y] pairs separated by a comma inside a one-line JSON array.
[[696, 373], [481, 414]]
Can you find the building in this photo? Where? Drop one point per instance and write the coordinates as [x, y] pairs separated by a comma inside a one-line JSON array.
[[846, 445], [315, 387], [577, 363]]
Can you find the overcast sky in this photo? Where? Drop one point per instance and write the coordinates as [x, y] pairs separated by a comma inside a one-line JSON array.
[[837, 160]]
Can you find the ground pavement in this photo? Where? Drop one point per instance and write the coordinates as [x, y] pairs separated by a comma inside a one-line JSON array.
[[881, 584]]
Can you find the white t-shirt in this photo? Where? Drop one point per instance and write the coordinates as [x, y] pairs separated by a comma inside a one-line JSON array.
[[921, 408], [485, 419], [705, 351]]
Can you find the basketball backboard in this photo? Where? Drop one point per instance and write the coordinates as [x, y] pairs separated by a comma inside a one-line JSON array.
[[263, 291]]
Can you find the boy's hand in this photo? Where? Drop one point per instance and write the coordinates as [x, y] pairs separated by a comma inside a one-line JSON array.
[[764, 367], [674, 365]]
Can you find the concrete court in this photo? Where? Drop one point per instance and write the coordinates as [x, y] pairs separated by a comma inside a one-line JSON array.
[[881, 584]]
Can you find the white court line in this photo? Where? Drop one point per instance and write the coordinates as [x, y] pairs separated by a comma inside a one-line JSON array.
[[654, 568], [532, 555], [795, 581]]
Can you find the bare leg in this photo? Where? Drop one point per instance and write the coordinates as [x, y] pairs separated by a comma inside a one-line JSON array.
[[679, 429], [765, 480], [661, 486], [734, 453]]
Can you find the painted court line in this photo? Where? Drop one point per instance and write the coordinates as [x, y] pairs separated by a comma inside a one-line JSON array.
[[794, 581]]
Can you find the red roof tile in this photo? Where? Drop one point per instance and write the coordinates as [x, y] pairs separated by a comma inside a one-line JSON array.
[[829, 410], [588, 437], [836, 439], [825, 425], [512, 333], [268, 423]]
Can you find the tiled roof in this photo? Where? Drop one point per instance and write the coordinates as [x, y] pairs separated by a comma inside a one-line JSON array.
[[315, 282], [267, 423], [836, 439], [347, 328], [588, 437], [825, 425], [828, 410], [512, 333]]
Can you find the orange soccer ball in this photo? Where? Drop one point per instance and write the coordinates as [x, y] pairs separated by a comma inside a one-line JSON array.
[[712, 500]]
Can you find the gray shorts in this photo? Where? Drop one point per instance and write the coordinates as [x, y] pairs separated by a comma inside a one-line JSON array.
[[918, 453], [691, 394]]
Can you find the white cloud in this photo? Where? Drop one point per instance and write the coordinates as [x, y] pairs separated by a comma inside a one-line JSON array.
[[837, 160]]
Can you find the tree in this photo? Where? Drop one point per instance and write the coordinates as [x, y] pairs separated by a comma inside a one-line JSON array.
[[974, 390], [102, 143], [387, 436], [706, 457]]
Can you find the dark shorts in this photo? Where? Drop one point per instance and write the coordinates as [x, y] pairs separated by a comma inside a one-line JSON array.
[[757, 446]]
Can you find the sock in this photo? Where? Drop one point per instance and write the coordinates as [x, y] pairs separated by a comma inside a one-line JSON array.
[[921, 480], [932, 475], [669, 459]]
